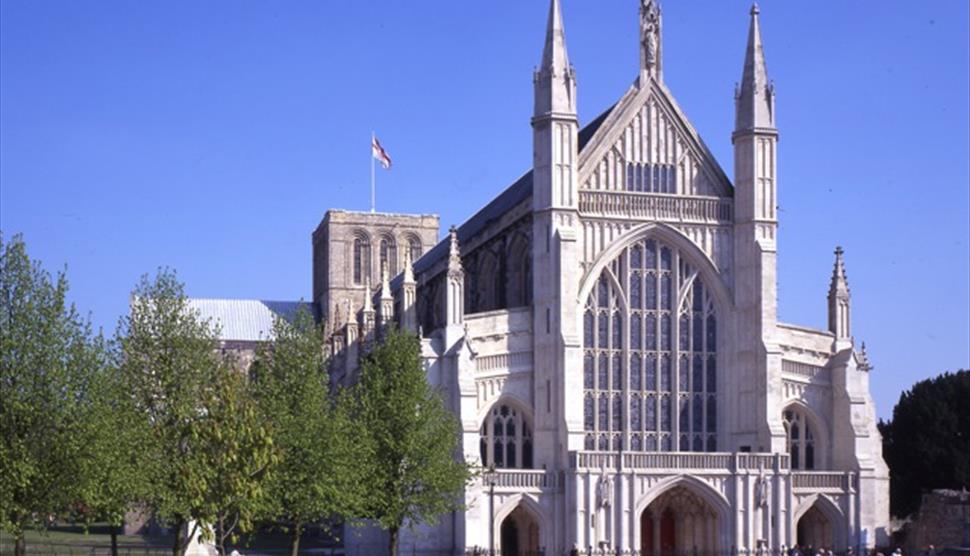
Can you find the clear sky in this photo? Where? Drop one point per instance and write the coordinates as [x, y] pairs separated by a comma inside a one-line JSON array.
[[212, 136]]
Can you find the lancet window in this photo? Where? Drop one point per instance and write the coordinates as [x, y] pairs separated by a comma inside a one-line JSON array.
[[414, 245], [388, 252], [650, 355], [506, 439], [361, 258], [800, 439]]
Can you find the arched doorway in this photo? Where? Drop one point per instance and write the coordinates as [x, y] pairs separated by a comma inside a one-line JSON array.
[[815, 529], [679, 522], [519, 534]]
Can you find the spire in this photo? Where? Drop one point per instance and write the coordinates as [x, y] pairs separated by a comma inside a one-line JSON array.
[[455, 296], [650, 39], [554, 79], [839, 308], [755, 95], [839, 286]]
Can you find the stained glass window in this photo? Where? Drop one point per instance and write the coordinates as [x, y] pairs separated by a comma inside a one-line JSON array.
[[650, 367]]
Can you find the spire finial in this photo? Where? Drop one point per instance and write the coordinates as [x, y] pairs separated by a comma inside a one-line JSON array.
[[840, 283], [368, 302], [385, 282], [454, 254], [650, 38], [755, 94], [408, 267]]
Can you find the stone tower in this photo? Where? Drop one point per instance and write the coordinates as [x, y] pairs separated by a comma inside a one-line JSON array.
[[755, 140], [554, 248]]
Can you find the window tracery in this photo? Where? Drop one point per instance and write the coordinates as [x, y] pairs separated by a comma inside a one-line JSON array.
[[799, 438], [506, 439], [650, 355]]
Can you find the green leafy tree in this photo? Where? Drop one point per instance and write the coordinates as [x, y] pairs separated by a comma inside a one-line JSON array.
[[927, 441], [415, 472], [204, 443], [46, 355], [316, 478], [111, 477], [238, 455]]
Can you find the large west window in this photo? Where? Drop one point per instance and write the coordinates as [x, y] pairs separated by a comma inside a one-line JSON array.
[[650, 355]]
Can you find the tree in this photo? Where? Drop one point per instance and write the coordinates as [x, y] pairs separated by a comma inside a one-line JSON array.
[[238, 455], [46, 353], [927, 441], [316, 476], [204, 448], [113, 437], [415, 472]]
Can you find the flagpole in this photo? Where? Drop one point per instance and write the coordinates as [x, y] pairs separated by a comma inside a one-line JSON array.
[[373, 175]]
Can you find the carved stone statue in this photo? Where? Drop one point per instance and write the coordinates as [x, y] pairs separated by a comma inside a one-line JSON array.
[[762, 490], [604, 490], [649, 31]]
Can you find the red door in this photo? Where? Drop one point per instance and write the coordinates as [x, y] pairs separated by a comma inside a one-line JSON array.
[[667, 544], [646, 534]]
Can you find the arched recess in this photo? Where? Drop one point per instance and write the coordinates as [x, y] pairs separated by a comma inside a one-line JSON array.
[[714, 499], [506, 434], [820, 432], [828, 508], [486, 283], [528, 504]]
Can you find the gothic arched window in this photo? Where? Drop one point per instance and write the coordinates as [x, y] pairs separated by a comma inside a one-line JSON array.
[[414, 246], [506, 439], [799, 438], [388, 253], [650, 354], [361, 258]]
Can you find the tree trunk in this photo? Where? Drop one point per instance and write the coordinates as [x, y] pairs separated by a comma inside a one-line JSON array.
[[221, 537], [177, 543], [297, 531], [392, 541], [114, 541], [20, 546]]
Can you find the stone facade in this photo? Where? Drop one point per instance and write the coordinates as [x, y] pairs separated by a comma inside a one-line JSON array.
[[606, 331]]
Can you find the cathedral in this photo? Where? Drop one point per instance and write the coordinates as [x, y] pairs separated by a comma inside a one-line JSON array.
[[605, 329]]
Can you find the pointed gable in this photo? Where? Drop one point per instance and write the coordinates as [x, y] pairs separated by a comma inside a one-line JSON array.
[[646, 144]]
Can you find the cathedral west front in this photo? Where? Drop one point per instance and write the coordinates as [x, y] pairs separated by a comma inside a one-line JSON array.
[[605, 329]]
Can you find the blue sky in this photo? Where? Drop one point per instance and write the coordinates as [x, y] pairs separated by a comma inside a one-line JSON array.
[[212, 136]]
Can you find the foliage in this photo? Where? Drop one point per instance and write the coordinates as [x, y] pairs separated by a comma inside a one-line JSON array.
[[46, 353], [113, 447], [204, 438], [316, 476], [238, 455], [415, 472], [927, 441]]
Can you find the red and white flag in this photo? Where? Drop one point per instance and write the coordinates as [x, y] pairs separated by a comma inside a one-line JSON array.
[[379, 153]]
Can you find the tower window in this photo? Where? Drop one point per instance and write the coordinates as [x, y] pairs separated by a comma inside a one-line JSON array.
[[361, 258]]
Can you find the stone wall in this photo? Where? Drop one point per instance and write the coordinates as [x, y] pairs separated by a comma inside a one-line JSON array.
[[943, 521]]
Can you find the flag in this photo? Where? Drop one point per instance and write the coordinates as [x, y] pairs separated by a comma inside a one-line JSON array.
[[379, 153]]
